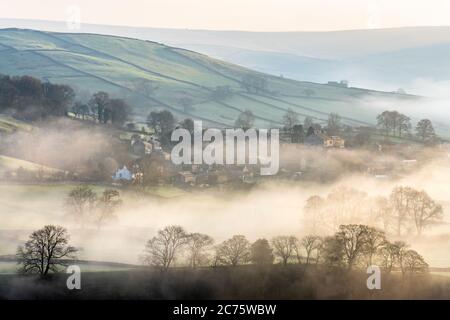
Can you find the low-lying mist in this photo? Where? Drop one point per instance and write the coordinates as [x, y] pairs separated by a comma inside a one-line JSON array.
[[64, 144], [274, 207]]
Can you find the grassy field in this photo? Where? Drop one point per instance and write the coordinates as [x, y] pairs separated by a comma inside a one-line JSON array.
[[8, 164], [97, 62], [10, 267], [10, 125], [16, 192], [242, 282], [31, 203]]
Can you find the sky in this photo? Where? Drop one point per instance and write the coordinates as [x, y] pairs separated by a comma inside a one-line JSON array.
[[251, 15]]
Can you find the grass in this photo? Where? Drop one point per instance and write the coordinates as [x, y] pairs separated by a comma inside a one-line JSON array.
[[241, 282], [12, 164], [98, 62], [10, 125], [166, 192], [10, 267]]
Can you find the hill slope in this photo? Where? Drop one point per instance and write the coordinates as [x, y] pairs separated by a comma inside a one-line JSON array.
[[367, 58], [92, 62]]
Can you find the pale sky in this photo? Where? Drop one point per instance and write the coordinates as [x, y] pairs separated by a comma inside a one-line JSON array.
[[254, 15]]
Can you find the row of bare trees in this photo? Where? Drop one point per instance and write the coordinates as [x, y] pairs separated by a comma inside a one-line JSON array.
[[363, 246], [397, 124], [353, 246], [406, 210], [394, 122], [86, 206]]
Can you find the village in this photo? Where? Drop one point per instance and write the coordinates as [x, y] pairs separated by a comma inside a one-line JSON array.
[[151, 162], [304, 156]]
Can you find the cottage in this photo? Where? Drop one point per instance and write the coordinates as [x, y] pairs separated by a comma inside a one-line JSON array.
[[141, 148], [123, 175], [320, 139], [335, 142]]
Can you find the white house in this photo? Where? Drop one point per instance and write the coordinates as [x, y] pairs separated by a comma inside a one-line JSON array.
[[123, 174]]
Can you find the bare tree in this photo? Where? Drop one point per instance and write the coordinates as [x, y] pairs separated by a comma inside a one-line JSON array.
[[310, 243], [389, 255], [374, 240], [161, 250], [332, 251], [234, 251], [402, 248], [314, 213], [261, 253], [425, 130], [188, 124], [404, 125], [107, 204], [344, 205], [319, 249], [409, 204], [45, 251], [245, 120], [393, 122], [353, 238], [163, 122], [383, 212], [334, 124], [401, 202], [81, 202], [414, 262], [425, 211], [197, 245], [308, 123], [290, 119], [284, 247], [384, 122]]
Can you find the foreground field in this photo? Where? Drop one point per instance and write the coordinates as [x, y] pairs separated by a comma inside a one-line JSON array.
[[249, 282], [9, 266]]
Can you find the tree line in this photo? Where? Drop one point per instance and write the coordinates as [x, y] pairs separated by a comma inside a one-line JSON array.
[[104, 109], [87, 207], [397, 124], [405, 210], [351, 247], [31, 99]]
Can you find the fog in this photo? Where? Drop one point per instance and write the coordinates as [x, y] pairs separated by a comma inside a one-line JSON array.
[[274, 207], [68, 145]]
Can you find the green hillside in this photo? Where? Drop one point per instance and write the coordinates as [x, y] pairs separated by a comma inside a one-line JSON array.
[[8, 164], [10, 125], [91, 62]]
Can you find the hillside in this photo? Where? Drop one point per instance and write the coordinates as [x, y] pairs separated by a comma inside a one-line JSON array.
[[91, 62], [384, 59], [10, 125], [8, 164]]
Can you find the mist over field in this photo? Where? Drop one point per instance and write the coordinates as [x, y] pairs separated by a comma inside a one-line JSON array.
[[270, 209]]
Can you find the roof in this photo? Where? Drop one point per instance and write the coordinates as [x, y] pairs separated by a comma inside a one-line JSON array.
[[186, 173]]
